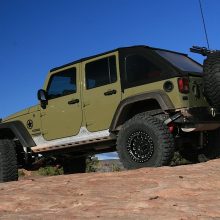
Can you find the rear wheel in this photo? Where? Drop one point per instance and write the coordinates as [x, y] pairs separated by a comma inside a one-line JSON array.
[[145, 141], [8, 161], [74, 165]]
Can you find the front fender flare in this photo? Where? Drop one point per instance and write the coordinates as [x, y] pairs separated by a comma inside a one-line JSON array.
[[20, 132]]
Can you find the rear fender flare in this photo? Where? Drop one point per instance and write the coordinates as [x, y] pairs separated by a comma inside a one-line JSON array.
[[161, 97]]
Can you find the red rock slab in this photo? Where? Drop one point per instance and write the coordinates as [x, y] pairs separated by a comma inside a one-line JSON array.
[[184, 192]]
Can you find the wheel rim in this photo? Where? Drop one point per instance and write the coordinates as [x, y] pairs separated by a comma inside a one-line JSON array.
[[140, 146]]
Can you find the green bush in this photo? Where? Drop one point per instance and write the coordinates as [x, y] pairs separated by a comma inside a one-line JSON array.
[[21, 173], [115, 168], [50, 171], [92, 164], [178, 160]]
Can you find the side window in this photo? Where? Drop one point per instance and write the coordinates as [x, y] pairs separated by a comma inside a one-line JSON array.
[[100, 72], [139, 69], [62, 83]]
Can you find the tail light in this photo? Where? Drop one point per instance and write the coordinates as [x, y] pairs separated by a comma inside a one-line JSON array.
[[183, 84], [171, 127]]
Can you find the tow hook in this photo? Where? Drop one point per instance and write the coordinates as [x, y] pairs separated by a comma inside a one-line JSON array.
[[212, 110]]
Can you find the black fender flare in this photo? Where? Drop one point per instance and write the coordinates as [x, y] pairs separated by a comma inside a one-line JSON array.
[[161, 97], [20, 132]]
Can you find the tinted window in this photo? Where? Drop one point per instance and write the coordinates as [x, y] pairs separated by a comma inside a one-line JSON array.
[[101, 72], [138, 68], [61, 84], [180, 61]]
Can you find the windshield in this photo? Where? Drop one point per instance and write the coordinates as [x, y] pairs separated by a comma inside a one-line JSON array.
[[180, 61]]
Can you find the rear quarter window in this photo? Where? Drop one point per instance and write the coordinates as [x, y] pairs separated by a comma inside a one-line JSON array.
[[139, 69], [181, 61]]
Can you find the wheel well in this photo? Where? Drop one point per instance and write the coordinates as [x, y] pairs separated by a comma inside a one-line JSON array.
[[7, 133], [132, 109]]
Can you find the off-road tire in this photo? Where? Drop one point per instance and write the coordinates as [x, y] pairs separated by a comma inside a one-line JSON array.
[[211, 78], [74, 165], [8, 161], [155, 132], [212, 148]]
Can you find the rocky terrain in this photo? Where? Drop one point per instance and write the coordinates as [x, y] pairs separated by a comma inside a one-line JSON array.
[[183, 192]]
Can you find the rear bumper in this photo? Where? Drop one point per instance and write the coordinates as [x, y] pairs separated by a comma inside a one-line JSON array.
[[199, 119]]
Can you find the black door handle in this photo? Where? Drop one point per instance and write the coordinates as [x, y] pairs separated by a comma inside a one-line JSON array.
[[74, 101], [110, 92]]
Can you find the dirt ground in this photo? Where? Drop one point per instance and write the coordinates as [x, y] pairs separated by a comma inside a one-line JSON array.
[[183, 192]]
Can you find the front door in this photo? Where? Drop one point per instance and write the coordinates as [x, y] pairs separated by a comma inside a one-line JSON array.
[[101, 91], [62, 117]]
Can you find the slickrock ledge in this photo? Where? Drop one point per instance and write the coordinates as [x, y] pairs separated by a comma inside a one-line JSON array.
[[183, 192]]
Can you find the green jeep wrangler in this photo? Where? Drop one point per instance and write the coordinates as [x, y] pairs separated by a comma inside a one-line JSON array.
[[143, 102]]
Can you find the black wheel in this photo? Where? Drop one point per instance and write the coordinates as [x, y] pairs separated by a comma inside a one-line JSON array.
[[74, 165], [212, 79], [212, 148], [144, 141], [8, 161]]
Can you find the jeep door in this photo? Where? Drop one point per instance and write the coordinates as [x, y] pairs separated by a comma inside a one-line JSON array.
[[101, 91], [62, 116]]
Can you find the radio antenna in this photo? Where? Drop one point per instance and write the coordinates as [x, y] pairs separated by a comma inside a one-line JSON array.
[[203, 20]]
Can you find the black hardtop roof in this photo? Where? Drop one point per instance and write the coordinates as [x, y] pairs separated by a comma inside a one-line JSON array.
[[118, 49]]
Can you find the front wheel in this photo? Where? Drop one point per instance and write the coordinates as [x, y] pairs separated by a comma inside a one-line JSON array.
[[8, 161], [145, 141]]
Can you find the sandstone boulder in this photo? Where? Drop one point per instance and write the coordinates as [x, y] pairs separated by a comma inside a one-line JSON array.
[[183, 192]]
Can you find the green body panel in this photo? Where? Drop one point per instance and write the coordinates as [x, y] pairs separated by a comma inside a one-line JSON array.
[[60, 119], [99, 109], [27, 115], [18, 114], [175, 96]]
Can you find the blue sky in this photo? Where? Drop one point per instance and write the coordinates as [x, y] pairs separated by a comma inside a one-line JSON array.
[[36, 35]]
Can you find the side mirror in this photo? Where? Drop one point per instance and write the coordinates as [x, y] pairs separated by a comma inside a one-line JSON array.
[[42, 97]]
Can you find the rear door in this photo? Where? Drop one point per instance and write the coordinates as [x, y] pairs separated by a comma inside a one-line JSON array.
[[101, 91], [62, 117]]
